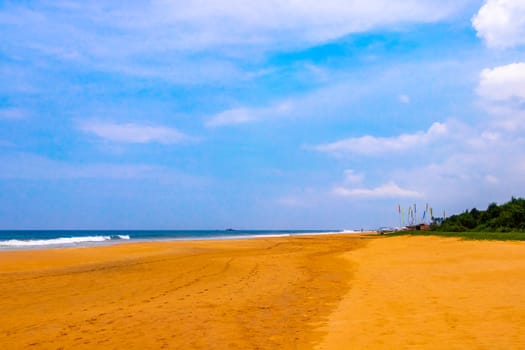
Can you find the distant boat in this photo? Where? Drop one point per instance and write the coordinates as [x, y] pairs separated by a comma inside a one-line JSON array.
[[229, 229]]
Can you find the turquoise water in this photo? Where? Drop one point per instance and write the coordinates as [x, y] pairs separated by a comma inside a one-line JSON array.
[[30, 239]]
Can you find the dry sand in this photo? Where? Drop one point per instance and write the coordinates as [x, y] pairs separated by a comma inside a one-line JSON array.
[[247, 294], [432, 293], [325, 292]]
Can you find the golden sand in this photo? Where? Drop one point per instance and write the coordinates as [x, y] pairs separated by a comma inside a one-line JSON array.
[[324, 292], [432, 293], [248, 294]]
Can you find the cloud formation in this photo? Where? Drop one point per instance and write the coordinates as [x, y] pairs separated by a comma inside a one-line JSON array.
[[133, 133], [307, 21], [247, 115], [177, 24], [233, 116], [485, 168], [185, 42], [351, 177], [388, 190], [502, 90], [501, 23], [503, 82], [371, 145]]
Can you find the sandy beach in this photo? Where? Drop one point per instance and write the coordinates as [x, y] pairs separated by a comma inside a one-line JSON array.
[[303, 292]]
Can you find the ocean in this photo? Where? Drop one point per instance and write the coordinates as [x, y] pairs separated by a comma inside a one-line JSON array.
[[33, 239]]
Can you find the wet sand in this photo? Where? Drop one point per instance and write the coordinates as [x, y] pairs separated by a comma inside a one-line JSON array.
[[306, 292]]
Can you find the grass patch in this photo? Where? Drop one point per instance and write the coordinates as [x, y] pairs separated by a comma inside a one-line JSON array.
[[492, 236]]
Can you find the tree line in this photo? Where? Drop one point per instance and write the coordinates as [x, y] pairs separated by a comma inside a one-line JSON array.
[[507, 217]]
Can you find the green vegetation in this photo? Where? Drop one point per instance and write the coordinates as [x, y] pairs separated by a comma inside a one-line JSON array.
[[508, 236], [509, 217], [498, 222]]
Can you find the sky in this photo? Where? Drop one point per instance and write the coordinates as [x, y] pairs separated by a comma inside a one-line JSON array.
[[284, 114]]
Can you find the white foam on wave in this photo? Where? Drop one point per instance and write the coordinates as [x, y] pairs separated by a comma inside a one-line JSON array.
[[59, 241]]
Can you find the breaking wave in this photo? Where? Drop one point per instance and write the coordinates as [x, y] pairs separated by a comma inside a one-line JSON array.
[[60, 241]]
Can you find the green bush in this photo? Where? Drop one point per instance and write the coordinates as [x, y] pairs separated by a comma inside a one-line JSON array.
[[509, 217]]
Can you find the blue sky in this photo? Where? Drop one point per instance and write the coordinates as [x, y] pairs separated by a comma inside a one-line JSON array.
[[277, 114]]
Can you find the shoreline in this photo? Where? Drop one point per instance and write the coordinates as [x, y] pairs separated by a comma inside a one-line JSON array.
[[111, 239]]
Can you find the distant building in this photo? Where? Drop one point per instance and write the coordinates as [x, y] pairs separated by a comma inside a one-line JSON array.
[[418, 227]]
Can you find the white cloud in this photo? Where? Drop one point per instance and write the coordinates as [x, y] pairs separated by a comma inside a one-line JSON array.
[[509, 115], [326, 101], [247, 115], [502, 92], [388, 190], [232, 116], [503, 82], [340, 97], [308, 20], [160, 38], [472, 166], [484, 166], [371, 145], [134, 133], [351, 177], [501, 23]]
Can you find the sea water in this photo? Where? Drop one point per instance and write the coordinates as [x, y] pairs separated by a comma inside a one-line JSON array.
[[32, 239]]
